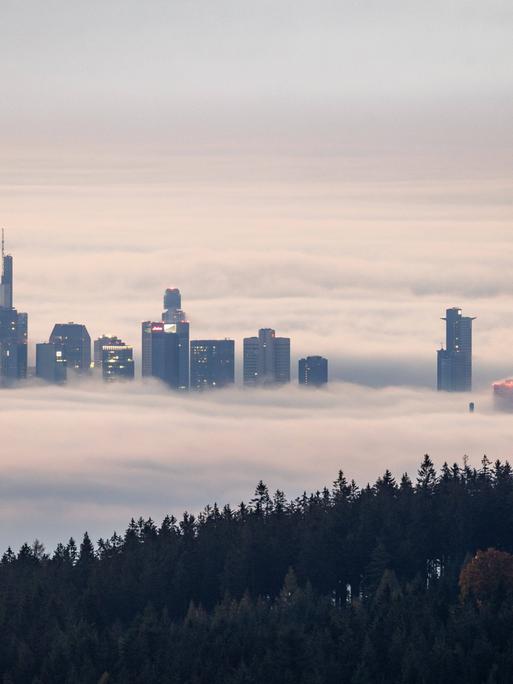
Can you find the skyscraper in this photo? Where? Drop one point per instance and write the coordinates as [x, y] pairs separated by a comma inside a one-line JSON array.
[[13, 327], [22, 335], [114, 358], [313, 371], [266, 358], [212, 363], [6, 281], [50, 364], [173, 314], [251, 360], [282, 359], [98, 348], [454, 363], [73, 340], [160, 352]]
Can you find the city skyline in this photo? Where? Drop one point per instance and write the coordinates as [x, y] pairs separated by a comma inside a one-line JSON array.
[[265, 359]]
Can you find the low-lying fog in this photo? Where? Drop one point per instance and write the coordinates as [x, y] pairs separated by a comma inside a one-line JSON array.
[[90, 456]]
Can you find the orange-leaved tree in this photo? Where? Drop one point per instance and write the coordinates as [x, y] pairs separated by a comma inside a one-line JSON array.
[[488, 575]]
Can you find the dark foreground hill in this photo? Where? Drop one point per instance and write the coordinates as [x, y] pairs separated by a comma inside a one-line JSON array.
[[341, 586]]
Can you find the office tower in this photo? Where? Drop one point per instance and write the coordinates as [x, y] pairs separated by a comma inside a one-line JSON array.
[[8, 346], [313, 371], [98, 346], [73, 340], [50, 363], [212, 363], [174, 315], [251, 355], [282, 359], [161, 352], [22, 344], [13, 327], [114, 358], [454, 363], [266, 358], [117, 362]]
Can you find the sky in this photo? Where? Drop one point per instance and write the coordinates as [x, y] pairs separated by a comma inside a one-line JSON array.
[[339, 171]]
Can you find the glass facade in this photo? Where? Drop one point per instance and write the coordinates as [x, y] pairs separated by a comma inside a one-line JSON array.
[[454, 363], [266, 358], [73, 340], [313, 371], [212, 363]]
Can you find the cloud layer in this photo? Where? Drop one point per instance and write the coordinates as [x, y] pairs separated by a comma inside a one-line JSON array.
[[89, 456]]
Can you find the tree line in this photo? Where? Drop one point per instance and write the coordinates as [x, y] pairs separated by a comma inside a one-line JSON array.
[[399, 581]]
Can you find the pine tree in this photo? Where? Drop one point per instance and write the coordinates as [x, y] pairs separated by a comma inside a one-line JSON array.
[[426, 479]]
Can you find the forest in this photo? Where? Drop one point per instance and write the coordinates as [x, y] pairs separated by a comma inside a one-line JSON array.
[[407, 580]]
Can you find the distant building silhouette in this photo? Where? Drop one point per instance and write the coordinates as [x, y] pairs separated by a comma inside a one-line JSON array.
[[114, 358], [73, 340], [160, 352], [313, 371], [22, 335], [13, 327], [282, 359], [173, 314], [503, 395], [50, 363], [251, 360], [212, 363], [98, 348], [266, 358], [454, 363]]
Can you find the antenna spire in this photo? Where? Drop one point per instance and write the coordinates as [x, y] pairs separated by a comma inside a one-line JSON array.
[[3, 243]]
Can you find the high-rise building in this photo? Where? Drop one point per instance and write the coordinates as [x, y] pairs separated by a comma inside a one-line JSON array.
[[98, 348], [22, 335], [13, 327], [313, 371], [160, 352], [251, 360], [282, 359], [114, 358], [266, 358], [9, 371], [73, 340], [174, 315], [50, 363], [117, 362], [454, 363], [212, 363]]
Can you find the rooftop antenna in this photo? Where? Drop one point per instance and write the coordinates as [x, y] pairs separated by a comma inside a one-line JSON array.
[[3, 243]]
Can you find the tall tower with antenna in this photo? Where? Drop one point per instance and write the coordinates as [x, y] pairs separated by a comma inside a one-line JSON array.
[[6, 283], [454, 363], [13, 327]]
